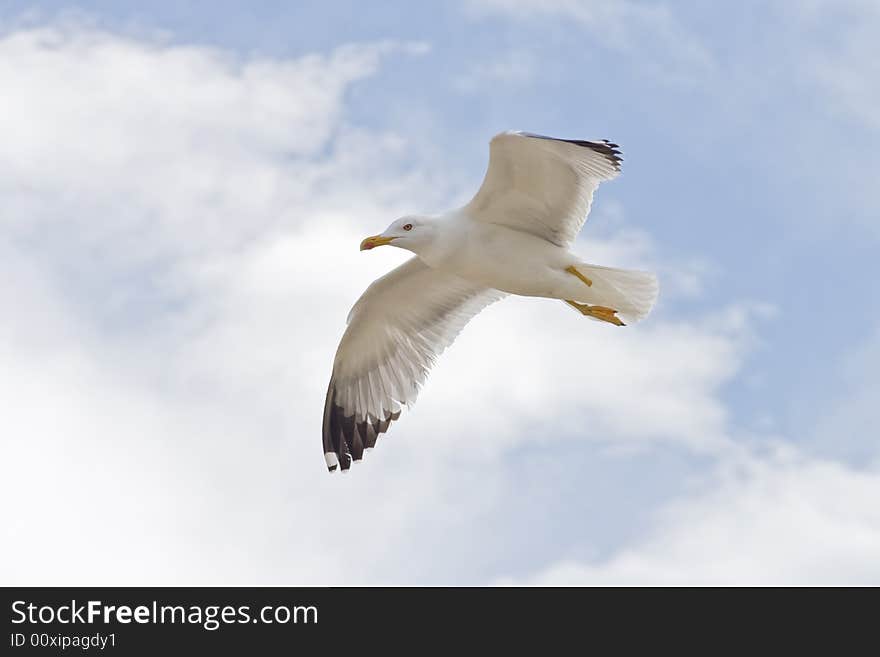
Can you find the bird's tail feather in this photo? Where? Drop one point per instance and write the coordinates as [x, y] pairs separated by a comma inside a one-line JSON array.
[[631, 293]]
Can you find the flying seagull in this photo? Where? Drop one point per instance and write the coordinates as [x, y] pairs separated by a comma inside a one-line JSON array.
[[513, 237]]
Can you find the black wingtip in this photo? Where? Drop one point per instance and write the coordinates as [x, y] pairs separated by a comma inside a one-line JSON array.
[[345, 438], [608, 149]]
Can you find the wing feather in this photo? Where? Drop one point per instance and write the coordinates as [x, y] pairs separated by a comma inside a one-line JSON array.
[[542, 185], [396, 330]]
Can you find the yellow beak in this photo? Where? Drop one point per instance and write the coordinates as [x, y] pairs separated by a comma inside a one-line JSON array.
[[374, 241]]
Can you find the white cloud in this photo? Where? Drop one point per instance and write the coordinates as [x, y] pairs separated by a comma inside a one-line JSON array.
[[96, 123], [181, 225], [780, 520]]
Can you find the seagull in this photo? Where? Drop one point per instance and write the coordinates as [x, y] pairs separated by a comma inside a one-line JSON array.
[[513, 237]]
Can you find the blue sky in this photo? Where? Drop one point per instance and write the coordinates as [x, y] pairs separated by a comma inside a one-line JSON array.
[[181, 178]]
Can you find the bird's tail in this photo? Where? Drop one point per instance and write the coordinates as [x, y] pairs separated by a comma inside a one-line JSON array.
[[631, 293]]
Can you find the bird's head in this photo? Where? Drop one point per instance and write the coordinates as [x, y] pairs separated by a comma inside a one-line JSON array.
[[411, 233]]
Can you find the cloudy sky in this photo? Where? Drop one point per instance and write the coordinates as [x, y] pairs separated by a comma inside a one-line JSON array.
[[184, 189]]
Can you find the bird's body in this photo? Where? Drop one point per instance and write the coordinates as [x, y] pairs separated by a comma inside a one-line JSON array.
[[502, 258], [514, 237]]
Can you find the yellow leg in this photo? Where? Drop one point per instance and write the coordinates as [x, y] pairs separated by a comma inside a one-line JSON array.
[[599, 312], [573, 270]]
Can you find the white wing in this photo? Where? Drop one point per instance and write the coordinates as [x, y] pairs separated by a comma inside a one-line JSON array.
[[396, 330], [542, 185]]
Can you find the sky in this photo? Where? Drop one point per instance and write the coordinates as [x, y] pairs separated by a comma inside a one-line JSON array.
[[185, 186]]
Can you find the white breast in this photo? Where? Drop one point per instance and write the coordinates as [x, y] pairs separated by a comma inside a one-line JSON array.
[[500, 257]]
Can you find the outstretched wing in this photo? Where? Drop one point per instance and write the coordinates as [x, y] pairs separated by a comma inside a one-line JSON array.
[[396, 330], [542, 185]]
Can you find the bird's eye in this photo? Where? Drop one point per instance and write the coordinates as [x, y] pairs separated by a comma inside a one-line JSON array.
[[408, 227]]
